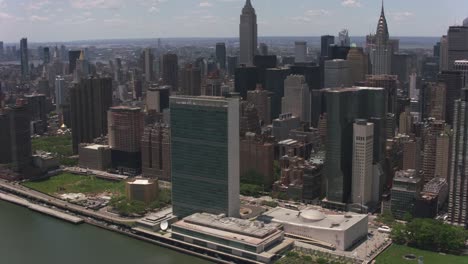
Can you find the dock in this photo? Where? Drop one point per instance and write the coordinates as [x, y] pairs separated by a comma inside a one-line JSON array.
[[41, 209]]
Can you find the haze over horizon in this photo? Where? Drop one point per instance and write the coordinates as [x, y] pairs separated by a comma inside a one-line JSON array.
[[71, 20]]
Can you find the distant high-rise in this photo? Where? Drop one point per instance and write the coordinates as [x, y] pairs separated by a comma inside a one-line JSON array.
[[412, 155], [156, 152], [442, 161], [381, 50], [24, 58], [297, 97], [261, 99], [15, 137], [170, 71], [358, 63], [363, 150], [157, 98], [90, 99], [205, 155], [443, 60], [462, 66], [46, 55], [454, 84], [337, 74], [37, 107], [232, 62], [343, 38], [125, 127], [61, 92], [263, 49], [274, 83], [148, 61], [437, 100], [432, 131], [390, 83], [458, 180], [326, 41], [73, 56], [457, 38], [300, 51], [221, 55], [248, 34], [191, 80]]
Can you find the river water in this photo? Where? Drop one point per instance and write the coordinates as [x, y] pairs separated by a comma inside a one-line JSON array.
[[28, 237]]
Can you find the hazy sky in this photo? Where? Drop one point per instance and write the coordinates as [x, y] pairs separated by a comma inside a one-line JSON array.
[[56, 20]]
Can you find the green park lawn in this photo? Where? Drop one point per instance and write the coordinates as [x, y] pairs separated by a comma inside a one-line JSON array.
[[60, 145], [71, 183], [394, 255]]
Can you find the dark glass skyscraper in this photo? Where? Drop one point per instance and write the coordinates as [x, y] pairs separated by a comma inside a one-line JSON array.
[[221, 55], [344, 106], [90, 99], [24, 58], [325, 42], [170, 71], [205, 155], [73, 56]]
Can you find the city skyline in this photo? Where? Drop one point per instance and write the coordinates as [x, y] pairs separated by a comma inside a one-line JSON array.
[[51, 20]]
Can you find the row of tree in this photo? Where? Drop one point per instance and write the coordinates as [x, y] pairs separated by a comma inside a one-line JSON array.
[[429, 234]]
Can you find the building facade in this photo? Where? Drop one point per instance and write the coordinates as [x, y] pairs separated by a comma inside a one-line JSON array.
[[248, 34], [205, 155]]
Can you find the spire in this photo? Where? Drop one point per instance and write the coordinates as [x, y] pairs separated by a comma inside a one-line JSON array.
[[382, 27], [248, 4], [81, 55]]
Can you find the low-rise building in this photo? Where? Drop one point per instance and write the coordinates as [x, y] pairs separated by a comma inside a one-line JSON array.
[[244, 238], [95, 156], [143, 190], [45, 161], [331, 231]]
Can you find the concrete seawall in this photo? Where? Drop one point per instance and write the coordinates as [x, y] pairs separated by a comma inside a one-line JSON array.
[[40, 209]]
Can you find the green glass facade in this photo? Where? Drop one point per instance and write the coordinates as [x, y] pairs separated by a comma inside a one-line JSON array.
[[200, 158], [344, 106]]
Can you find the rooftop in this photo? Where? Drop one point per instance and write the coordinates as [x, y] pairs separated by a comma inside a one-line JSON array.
[[239, 226], [313, 218], [141, 182], [96, 146]]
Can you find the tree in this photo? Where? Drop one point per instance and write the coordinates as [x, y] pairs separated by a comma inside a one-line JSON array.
[[399, 234]]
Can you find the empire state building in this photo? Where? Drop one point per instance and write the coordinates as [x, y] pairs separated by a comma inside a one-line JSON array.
[[248, 34]]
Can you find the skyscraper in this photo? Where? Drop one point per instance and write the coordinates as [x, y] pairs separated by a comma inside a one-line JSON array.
[[325, 42], [15, 137], [457, 38], [297, 97], [248, 34], [24, 58], [363, 150], [148, 61], [61, 92], [343, 38], [73, 56], [90, 99], [156, 152], [337, 74], [46, 58], [205, 155], [300, 51], [191, 80], [170, 71], [344, 106], [261, 99], [454, 83], [443, 60], [381, 50], [125, 128], [458, 185], [358, 63], [221, 55], [462, 66]]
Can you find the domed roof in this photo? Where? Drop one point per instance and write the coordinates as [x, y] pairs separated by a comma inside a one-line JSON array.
[[465, 22], [312, 215]]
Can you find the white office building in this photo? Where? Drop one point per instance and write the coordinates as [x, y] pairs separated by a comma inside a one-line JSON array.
[[363, 150], [297, 97]]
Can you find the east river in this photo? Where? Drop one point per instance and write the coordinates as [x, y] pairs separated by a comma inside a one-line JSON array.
[[28, 237]]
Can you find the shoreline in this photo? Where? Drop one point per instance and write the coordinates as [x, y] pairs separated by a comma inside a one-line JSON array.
[[18, 196]]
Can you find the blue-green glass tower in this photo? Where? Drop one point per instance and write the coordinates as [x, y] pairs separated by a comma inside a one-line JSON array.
[[205, 155]]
